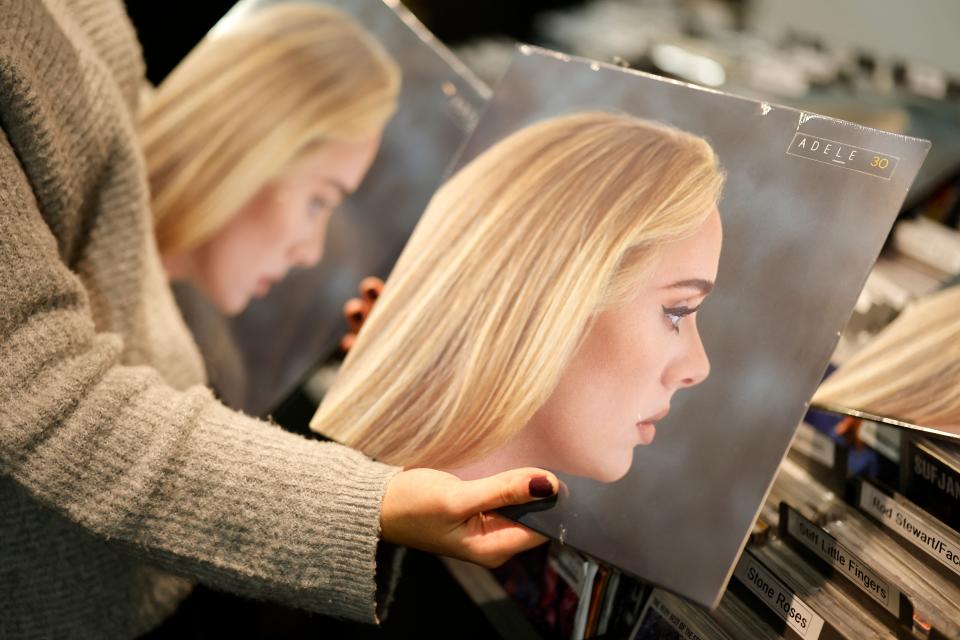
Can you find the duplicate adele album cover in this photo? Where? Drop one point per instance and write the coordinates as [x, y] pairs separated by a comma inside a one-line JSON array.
[[636, 283], [301, 314]]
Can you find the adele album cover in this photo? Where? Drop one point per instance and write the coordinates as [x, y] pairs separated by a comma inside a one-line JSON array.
[[385, 105], [636, 283]]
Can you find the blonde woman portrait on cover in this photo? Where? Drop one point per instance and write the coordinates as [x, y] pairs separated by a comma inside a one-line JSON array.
[[544, 310], [255, 139]]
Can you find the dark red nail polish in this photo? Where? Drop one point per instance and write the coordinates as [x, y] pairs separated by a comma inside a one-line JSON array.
[[541, 487]]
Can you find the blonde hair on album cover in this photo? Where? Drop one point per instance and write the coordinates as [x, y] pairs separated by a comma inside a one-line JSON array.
[[248, 100], [911, 369], [512, 258]]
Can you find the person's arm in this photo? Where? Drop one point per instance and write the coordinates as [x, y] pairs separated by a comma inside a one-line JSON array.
[[172, 476], [189, 485]]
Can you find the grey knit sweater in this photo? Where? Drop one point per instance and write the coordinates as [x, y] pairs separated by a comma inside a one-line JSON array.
[[122, 480]]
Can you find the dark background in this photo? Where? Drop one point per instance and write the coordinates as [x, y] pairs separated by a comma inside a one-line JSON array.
[[451, 22]]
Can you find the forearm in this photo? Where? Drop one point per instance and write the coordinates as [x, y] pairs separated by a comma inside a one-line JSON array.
[[203, 491], [171, 475], [200, 490]]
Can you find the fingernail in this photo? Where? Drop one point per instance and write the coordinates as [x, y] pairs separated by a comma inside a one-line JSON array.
[[371, 287], [355, 312], [541, 487]]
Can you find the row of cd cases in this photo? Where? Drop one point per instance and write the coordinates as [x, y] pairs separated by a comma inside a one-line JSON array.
[[858, 539]]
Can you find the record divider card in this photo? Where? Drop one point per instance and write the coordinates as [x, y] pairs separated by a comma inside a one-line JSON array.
[[917, 532], [776, 603], [870, 588], [931, 481]]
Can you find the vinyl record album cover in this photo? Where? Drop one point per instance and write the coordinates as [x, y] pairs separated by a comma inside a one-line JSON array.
[[908, 375], [636, 283], [257, 358]]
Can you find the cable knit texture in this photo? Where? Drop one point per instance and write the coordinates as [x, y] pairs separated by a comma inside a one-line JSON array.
[[122, 480]]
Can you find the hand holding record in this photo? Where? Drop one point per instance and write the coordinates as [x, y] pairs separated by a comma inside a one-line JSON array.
[[437, 512]]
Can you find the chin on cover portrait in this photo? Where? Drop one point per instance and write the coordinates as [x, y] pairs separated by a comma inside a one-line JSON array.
[[544, 312]]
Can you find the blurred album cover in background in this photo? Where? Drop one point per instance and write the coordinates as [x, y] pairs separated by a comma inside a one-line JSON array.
[[258, 358]]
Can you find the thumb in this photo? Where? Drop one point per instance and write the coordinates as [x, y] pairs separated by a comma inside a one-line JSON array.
[[517, 486]]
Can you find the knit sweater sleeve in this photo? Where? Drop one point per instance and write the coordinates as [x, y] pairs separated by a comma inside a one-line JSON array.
[[172, 476]]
